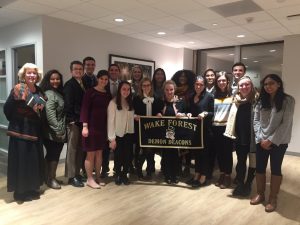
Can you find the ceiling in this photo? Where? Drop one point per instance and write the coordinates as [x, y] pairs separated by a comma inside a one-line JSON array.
[[193, 24]]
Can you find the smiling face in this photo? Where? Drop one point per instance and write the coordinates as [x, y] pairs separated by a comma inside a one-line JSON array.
[[146, 87], [210, 78], [89, 66], [271, 86], [77, 71], [125, 90], [55, 80], [222, 83], [31, 76], [169, 92], [238, 72], [245, 87], [103, 81], [114, 73], [137, 74], [159, 76], [199, 86], [182, 79]]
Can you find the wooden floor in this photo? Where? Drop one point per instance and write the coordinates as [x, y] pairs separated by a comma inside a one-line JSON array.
[[143, 203]]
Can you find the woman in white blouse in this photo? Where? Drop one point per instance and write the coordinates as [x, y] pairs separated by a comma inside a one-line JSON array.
[[120, 130]]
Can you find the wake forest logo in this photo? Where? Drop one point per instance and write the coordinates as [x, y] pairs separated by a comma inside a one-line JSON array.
[[170, 132]]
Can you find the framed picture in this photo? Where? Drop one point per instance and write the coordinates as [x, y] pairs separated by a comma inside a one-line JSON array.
[[126, 64]]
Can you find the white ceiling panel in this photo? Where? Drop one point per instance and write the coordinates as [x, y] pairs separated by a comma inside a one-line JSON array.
[[90, 10], [59, 4], [69, 16], [182, 20], [262, 25], [98, 24], [30, 7], [196, 15], [272, 4], [215, 24], [251, 18], [117, 5], [174, 7]]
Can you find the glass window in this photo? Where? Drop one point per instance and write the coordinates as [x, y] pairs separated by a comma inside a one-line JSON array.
[[262, 59], [3, 120], [220, 59], [2, 63]]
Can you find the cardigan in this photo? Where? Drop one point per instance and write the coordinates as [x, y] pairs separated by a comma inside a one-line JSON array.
[[272, 125]]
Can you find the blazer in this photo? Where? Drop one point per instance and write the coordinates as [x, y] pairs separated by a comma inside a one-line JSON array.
[[73, 95]]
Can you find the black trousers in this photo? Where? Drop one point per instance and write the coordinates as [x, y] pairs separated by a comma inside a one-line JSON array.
[[170, 162], [53, 150], [224, 147], [276, 154], [146, 154], [242, 152], [105, 159], [122, 154]]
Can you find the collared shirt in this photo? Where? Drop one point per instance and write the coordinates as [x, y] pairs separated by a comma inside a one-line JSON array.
[[113, 85]]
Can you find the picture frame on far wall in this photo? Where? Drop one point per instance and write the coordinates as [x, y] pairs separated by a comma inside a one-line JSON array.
[[126, 63]]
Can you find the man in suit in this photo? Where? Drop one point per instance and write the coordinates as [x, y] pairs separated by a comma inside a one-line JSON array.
[[238, 71], [73, 94], [89, 78], [114, 74]]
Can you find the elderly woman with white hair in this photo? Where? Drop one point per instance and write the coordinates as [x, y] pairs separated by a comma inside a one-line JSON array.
[[23, 109]]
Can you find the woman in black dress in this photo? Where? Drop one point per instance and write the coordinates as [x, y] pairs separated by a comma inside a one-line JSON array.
[[145, 104], [25, 168], [201, 105], [170, 157]]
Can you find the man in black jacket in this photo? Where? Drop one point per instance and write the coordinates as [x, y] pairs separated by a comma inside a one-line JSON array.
[[73, 94]]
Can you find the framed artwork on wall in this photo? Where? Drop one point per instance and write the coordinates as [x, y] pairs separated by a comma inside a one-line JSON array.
[[126, 63]]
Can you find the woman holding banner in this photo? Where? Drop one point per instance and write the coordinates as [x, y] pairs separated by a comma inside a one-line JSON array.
[[172, 107], [201, 105], [145, 104]]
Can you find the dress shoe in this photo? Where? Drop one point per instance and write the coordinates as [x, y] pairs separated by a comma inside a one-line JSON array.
[[168, 181], [125, 180], [21, 197], [174, 180], [34, 195], [81, 178], [118, 180], [75, 182]]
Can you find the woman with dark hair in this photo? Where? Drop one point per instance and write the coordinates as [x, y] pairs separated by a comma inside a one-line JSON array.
[[54, 125], [240, 128], [145, 104], [23, 109], [273, 121], [120, 129], [94, 121], [158, 79], [172, 107], [223, 145], [184, 80], [201, 105], [210, 80]]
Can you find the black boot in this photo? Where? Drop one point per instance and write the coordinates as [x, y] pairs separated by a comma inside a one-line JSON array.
[[51, 178]]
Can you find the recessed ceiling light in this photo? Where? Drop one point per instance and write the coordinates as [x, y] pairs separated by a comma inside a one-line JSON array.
[[272, 50], [255, 61], [231, 54], [191, 42], [119, 20], [215, 24], [161, 33], [245, 58], [240, 36]]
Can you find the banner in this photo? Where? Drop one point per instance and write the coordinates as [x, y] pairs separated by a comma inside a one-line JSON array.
[[170, 132]]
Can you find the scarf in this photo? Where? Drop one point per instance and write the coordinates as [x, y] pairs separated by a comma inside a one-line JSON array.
[[148, 101]]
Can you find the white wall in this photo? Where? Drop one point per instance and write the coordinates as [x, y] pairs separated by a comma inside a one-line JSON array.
[[21, 34], [64, 42], [291, 79]]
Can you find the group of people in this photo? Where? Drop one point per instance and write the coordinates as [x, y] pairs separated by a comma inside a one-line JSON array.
[[96, 114]]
